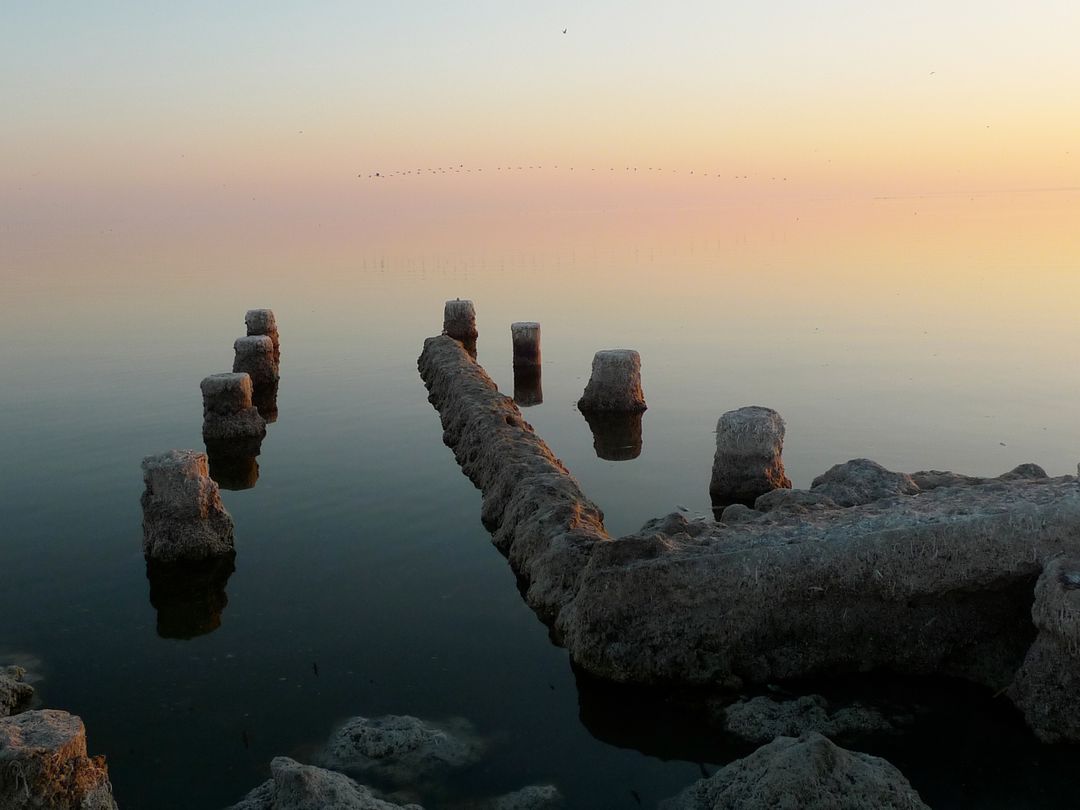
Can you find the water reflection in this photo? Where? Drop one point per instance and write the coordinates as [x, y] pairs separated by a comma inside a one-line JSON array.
[[232, 462], [264, 397], [616, 436], [189, 596], [528, 390]]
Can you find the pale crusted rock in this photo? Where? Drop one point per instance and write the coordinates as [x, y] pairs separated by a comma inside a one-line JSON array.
[[794, 500], [762, 719], [748, 460], [1047, 686], [14, 694], [861, 481], [808, 773], [400, 748], [293, 786], [44, 764], [228, 411], [183, 517], [926, 480], [740, 513], [615, 383]]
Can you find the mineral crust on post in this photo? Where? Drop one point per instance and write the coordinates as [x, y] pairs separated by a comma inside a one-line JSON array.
[[228, 412], [262, 322], [525, 337], [748, 460], [254, 356], [459, 320], [615, 383], [183, 516]]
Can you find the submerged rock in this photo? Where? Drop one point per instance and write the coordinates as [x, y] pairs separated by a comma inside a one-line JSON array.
[[808, 773], [183, 517], [400, 748], [762, 719], [44, 764], [293, 786], [748, 460], [1047, 686], [533, 797], [14, 694]]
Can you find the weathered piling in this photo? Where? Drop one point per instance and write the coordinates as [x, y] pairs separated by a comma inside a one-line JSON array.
[[615, 383], [528, 386], [525, 336], [262, 322], [228, 412], [459, 320], [183, 517], [616, 436], [747, 463], [254, 356]]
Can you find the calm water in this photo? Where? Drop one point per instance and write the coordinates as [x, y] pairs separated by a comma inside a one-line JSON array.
[[924, 333]]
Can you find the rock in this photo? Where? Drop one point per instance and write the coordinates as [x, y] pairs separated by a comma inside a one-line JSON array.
[[228, 412], [254, 356], [740, 513], [14, 694], [615, 383], [525, 337], [459, 320], [183, 517], [747, 462], [762, 719], [862, 481], [1047, 686], [533, 797], [263, 322], [400, 748], [932, 479], [793, 500], [293, 786], [808, 773], [44, 764]]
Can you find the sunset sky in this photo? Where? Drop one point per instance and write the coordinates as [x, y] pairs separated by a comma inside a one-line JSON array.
[[128, 106]]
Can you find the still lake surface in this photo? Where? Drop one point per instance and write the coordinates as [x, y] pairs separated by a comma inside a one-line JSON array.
[[923, 332]]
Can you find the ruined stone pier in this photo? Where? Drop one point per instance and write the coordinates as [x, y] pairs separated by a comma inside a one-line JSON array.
[[866, 570]]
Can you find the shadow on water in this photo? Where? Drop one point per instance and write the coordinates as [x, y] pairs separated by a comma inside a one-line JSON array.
[[189, 597], [232, 462], [616, 436], [528, 390], [264, 397]]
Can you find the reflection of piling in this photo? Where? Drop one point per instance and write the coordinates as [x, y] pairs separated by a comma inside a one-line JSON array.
[[232, 462], [525, 336], [527, 388], [615, 383], [748, 462], [459, 320], [262, 322], [189, 597], [616, 436], [264, 398], [228, 412], [183, 517]]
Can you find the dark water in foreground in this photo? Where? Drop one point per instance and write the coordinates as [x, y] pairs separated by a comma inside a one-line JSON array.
[[364, 582]]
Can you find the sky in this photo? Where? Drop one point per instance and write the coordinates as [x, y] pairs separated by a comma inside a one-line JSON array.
[[139, 106]]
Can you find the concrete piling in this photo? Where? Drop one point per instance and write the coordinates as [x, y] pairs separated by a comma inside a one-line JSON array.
[[262, 322], [459, 320], [615, 383], [525, 336], [228, 411], [748, 462], [183, 517]]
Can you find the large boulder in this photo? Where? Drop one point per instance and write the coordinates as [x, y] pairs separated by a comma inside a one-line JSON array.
[[533, 797], [14, 694], [44, 764], [399, 748], [807, 773], [293, 786], [183, 516], [1047, 686], [861, 481]]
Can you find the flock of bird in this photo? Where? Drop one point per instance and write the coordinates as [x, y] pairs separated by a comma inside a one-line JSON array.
[[462, 169]]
